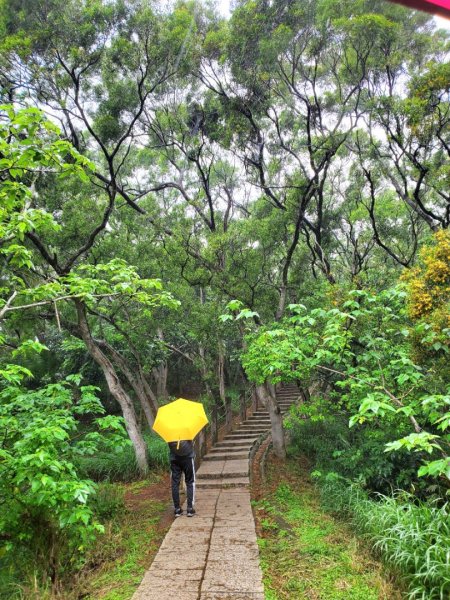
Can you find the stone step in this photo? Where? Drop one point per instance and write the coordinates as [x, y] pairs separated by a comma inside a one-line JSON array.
[[232, 482], [248, 433], [233, 448], [241, 436], [237, 443], [226, 468], [218, 475], [226, 455], [254, 431]]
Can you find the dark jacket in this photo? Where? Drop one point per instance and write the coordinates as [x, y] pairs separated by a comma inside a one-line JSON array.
[[181, 449]]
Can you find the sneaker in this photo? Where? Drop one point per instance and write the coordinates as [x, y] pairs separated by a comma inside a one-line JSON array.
[[190, 512], [178, 512]]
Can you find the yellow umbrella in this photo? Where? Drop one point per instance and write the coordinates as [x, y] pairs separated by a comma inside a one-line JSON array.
[[180, 420]]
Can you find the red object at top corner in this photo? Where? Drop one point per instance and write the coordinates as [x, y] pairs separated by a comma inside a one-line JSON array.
[[435, 7]]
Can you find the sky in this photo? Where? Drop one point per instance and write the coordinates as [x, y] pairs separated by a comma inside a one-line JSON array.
[[224, 7]]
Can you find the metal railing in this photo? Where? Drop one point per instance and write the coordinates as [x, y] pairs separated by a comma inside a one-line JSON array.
[[222, 419]]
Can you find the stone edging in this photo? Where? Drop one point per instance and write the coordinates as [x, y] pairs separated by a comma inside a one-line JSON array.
[[262, 464], [254, 449]]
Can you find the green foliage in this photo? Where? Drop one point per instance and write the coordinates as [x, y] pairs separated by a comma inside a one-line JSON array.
[[121, 465], [220, 159], [30, 144], [108, 502], [367, 348], [356, 454], [411, 537], [47, 518]]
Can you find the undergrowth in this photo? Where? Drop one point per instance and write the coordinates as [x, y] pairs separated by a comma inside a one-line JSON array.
[[121, 466], [408, 530], [411, 536], [305, 552]]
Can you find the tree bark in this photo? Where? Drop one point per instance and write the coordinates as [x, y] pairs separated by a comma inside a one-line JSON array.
[[160, 373], [267, 398], [137, 381], [116, 389], [281, 302]]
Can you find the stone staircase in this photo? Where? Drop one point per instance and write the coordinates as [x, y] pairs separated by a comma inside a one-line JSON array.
[[227, 464]]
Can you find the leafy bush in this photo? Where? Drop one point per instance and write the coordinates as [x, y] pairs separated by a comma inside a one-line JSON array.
[[356, 454], [47, 520], [121, 465], [411, 537], [365, 347]]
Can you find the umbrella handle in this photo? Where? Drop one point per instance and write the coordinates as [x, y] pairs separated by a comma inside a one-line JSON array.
[[178, 445]]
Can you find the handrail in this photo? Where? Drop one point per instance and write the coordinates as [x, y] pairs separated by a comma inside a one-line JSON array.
[[222, 420]]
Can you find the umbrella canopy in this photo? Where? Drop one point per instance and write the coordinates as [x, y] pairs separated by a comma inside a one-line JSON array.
[[180, 420]]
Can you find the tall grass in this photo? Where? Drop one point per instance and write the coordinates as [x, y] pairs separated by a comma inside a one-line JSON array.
[[121, 466], [411, 537]]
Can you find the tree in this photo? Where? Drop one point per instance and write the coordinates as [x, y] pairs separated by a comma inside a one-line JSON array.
[[30, 146]]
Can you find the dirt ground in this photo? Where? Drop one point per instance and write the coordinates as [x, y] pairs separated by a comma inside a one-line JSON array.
[[136, 500]]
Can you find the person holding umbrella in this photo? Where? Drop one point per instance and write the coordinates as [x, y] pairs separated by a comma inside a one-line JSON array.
[[182, 457], [178, 423]]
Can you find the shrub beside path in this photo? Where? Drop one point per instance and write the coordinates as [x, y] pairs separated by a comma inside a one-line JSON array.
[[214, 555]]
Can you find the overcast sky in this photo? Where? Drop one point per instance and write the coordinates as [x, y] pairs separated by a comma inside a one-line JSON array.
[[224, 7]]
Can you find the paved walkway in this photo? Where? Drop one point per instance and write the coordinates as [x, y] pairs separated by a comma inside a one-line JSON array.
[[214, 555]]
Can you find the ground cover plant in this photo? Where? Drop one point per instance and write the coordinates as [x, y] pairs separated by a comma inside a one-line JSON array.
[[407, 530], [410, 536], [306, 553], [118, 562]]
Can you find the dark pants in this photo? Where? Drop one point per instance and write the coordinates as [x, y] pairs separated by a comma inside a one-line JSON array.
[[185, 465]]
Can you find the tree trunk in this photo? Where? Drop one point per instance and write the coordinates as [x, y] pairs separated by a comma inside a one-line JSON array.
[[281, 303], [267, 398], [305, 394], [242, 408], [202, 355], [160, 373], [151, 398], [137, 381], [116, 389]]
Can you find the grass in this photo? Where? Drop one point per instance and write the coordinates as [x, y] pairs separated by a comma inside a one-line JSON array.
[[411, 536], [121, 466], [127, 549], [136, 517], [306, 554]]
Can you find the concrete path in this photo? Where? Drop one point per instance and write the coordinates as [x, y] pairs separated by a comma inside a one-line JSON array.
[[214, 555]]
